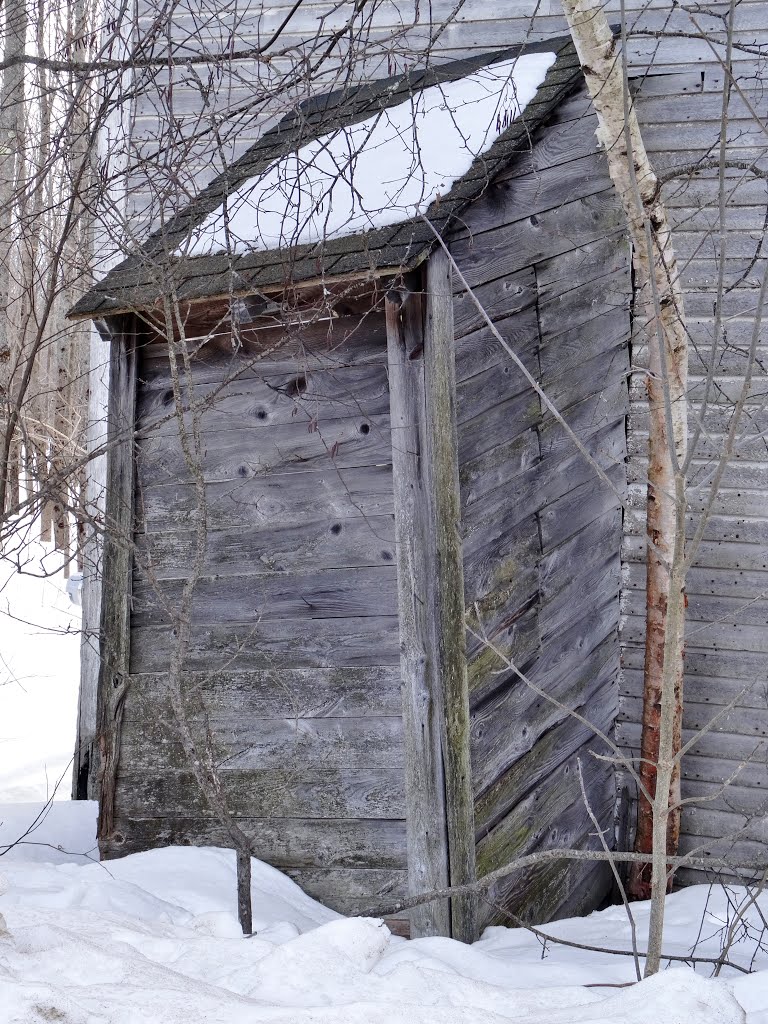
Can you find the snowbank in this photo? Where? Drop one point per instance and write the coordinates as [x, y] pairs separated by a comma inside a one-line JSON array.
[[39, 676], [154, 938], [384, 170]]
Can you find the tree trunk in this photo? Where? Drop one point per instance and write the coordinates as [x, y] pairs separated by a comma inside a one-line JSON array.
[[11, 155], [661, 304]]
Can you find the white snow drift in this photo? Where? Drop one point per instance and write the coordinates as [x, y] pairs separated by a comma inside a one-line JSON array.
[[153, 939]]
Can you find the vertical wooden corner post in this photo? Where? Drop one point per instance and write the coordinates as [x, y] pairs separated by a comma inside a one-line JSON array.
[[117, 563], [439, 803]]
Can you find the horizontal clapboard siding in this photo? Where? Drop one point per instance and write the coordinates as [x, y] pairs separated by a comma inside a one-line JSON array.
[[727, 619], [546, 254]]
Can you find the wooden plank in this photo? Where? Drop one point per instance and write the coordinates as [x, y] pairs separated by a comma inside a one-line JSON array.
[[585, 262], [714, 691], [330, 345], [586, 418], [510, 724], [441, 452], [509, 200], [256, 744], [500, 252], [330, 543], [304, 597], [499, 382], [538, 818], [515, 639], [727, 502], [282, 842], [323, 643], [743, 665], [712, 554], [115, 636], [588, 628], [582, 340], [731, 850], [728, 390], [238, 455], [715, 745], [287, 692], [487, 491], [578, 383], [351, 890], [542, 890], [290, 499], [260, 793], [733, 798], [500, 296], [497, 553], [570, 136], [551, 749], [511, 602], [718, 635], [707, 608], [599, 295], [498, 425], [748, 722], [588, 885], [494, 470], [602, 577], [708, 772], [561, 568], [428, 857], [741, 302], [705, 821], [731, 359], [309, 397], [577, 509], [481, 350]]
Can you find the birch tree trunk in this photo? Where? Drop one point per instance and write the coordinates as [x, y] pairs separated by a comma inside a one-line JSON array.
[[661, 304]]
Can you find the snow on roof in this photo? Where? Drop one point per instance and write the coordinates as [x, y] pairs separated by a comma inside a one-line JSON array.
[[384, 170], [487, 104]]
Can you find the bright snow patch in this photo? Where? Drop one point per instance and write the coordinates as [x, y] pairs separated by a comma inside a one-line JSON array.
[[384, 170], [153, 938], [39, 675]]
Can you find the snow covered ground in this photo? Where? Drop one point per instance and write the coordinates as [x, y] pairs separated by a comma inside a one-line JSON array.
[[154, 938], [39, 671]]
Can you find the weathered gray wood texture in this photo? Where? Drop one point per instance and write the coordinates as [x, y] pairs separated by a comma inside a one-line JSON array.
[[727, 654], [428, 854], [115, 605], [295, 652], [545, 253], [439, 802]]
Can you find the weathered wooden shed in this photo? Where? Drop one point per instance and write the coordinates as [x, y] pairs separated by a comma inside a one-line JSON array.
[[394, 519]]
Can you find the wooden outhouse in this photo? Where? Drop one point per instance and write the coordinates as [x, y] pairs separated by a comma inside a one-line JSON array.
[[408, 577]]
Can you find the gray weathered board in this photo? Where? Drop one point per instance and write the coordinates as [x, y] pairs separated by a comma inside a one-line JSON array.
[[547, 257]]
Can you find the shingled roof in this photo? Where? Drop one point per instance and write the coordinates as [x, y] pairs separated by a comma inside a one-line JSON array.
[[139, 281]]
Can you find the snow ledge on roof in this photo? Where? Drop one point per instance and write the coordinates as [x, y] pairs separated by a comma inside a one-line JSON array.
[[384, 170]]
